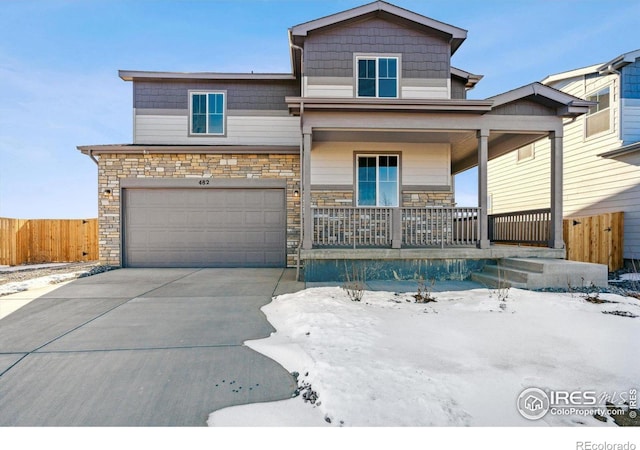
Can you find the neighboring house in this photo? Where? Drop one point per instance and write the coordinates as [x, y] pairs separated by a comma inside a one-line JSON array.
[[601, 152], [349, 156]]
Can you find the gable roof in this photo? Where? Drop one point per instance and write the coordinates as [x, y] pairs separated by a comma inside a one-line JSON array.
[[608, 67], [457, 35], [566, 104]]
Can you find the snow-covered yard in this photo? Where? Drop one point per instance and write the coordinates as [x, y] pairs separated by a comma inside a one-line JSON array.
[[462, 360], [36, 283], [35, 276]]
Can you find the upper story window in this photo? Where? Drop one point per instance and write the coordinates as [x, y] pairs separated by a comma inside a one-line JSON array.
[[598, 118], [377, 77], [207, 113]]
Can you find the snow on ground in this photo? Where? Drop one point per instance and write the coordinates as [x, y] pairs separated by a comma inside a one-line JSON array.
[[463, 360], [35, 283], [630, 276]]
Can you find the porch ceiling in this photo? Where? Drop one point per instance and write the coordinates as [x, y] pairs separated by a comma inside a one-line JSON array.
[[464, 143]]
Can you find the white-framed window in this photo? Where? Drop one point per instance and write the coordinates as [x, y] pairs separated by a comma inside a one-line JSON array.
[[207, 113], [377, 76], [598, 119], [377, 180]]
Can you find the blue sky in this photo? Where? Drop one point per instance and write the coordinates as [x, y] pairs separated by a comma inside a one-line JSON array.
[[59, 59]]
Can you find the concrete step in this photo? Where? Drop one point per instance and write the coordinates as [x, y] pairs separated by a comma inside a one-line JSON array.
[[532, 273], [493, 282], [506, 273], [526, 264]]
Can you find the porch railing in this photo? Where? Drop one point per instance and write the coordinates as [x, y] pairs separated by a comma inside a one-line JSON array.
[[429, 227], [352, 227], [414, 227], [526, 227]]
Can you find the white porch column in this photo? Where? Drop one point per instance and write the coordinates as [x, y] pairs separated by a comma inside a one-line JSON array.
[[307, 219], [556, 239], [483, 194]]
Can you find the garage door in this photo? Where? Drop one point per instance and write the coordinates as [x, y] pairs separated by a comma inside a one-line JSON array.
[[204, 228]]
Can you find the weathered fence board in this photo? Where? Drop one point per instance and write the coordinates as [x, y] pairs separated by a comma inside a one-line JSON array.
[[596, 239], [48, 240]]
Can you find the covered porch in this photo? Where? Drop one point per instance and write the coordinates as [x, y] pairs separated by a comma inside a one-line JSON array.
[[469, 133]]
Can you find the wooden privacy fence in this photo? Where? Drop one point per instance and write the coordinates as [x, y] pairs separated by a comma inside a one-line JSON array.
[[47, 240], [596, 239]]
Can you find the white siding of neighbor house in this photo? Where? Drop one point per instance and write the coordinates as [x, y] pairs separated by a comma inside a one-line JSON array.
[[517, 186], [241, 130], [592, 185], [422, 164]]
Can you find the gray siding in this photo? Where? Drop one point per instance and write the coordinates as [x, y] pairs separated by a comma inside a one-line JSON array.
[[458, 90], [523, 108], [329, 53], [243, 95]]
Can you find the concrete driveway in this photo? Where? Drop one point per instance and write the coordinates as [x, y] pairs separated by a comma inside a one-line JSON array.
[[141, 347]]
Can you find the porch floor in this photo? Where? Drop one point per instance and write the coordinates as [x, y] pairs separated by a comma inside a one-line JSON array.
[[495, 251]]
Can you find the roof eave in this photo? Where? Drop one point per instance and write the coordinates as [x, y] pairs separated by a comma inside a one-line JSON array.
[[470, 78], [134, 75], [142, 149], [572, 110], [570, 74], [622, 151], [619, 62], [615, 64], [395, 105]]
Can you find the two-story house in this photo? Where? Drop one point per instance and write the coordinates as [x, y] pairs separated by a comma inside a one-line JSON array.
[[601, 152], [351, 156]]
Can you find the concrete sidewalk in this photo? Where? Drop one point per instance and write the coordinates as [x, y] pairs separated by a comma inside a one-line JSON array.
[[141, 347]]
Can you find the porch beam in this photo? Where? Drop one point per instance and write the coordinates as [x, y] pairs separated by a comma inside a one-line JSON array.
[[425, 121], [483, 194], [307, 219], [556, 238]]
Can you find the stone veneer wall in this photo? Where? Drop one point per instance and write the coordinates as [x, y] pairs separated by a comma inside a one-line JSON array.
[[421, 198], [417, 199], [326, 199], [114, 167]]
